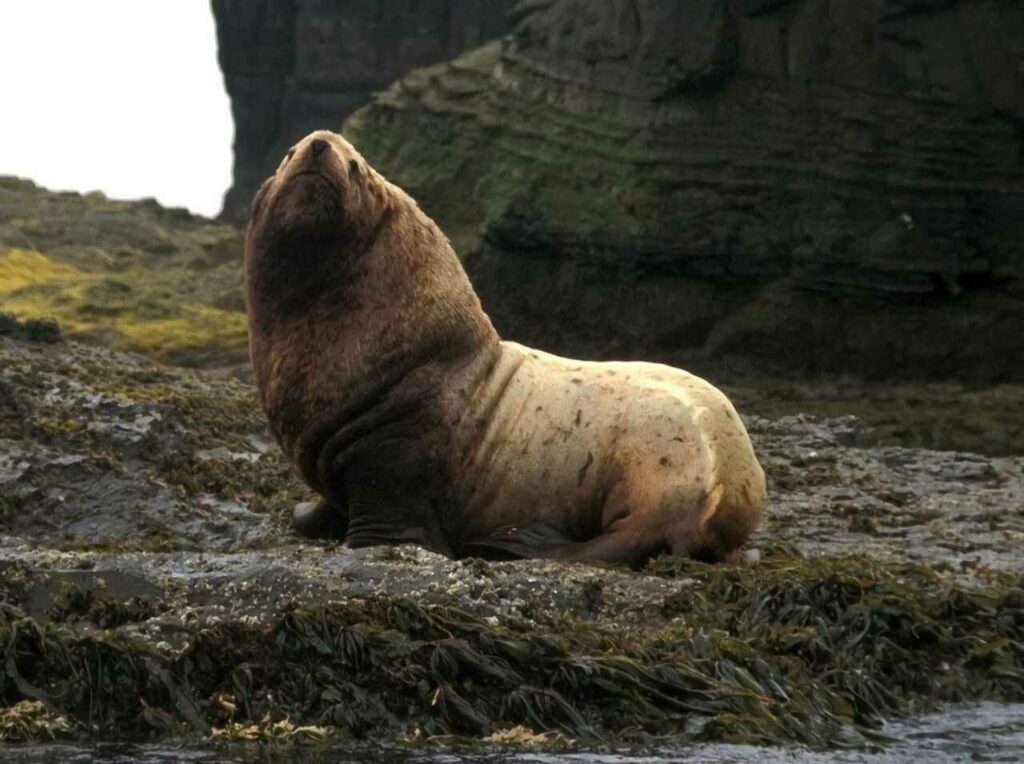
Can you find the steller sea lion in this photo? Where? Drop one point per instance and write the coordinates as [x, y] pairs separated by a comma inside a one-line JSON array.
[[391, 393]]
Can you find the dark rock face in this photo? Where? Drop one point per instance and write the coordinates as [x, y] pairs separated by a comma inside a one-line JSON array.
[[292, 66], [811, 185]]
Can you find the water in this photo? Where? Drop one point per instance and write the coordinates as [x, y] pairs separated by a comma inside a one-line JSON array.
[[985, 732]]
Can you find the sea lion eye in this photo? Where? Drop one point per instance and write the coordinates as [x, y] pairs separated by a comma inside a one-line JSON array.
[[353, 167]]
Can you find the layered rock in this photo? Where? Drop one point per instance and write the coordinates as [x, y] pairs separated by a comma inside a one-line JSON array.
[[297, 65], [814, 185]]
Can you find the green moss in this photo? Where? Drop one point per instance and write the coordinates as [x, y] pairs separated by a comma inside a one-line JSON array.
[[170, 313]]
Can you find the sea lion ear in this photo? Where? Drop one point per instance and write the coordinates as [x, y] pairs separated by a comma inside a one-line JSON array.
[[353, 167]]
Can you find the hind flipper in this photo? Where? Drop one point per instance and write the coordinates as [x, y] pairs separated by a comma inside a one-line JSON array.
[[542, 541], [319, 520], [537, 540], [613, 546]]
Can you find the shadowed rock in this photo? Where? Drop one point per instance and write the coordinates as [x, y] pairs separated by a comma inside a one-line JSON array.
[[292, 67]]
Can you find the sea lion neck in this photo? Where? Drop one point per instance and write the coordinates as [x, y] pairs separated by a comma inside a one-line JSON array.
[[284, 278], [297, 273], [340, 325]]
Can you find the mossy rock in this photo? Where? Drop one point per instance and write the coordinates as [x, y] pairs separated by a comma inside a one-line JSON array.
[[130, 275]]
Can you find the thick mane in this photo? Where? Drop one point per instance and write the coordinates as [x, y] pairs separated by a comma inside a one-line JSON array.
[[336, 326]]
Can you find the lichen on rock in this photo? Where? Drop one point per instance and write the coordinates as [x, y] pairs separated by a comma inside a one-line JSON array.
[[132, 275]]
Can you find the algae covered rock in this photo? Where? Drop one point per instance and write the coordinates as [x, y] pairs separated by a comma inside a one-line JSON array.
[[149, 590], [801, 185], [100, 448]]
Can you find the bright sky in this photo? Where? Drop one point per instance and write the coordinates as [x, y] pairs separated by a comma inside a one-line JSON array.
[[123, 96]]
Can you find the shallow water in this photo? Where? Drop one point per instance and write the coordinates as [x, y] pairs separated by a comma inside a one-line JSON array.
[[985, 732]]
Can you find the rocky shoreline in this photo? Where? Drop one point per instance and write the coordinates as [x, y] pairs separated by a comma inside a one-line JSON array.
[[821, 218], [151, 590]]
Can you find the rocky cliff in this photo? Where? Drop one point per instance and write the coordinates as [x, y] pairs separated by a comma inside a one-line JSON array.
[[808, 184], [296, 65]]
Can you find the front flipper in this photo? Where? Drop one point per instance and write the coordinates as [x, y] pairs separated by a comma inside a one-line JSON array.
[[319, 520], [526, 542]]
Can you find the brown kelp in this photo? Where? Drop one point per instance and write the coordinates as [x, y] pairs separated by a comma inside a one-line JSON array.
[[813, 651]]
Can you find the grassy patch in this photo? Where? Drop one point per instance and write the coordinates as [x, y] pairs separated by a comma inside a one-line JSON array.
[[174, 313]]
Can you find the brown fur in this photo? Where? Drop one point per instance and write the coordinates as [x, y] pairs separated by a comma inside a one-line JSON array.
[[391, 393]]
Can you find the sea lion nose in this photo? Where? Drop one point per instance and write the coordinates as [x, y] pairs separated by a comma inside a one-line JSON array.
[[318, 146]]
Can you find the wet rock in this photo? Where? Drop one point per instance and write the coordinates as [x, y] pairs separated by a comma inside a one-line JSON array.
[[934, 415], [884, 502], [101, 449]]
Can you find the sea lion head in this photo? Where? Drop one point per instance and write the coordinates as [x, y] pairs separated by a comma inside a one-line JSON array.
[[323, 190]]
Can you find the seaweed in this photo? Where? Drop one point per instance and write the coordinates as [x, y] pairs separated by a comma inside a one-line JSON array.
[[74, 603], [817, 652]]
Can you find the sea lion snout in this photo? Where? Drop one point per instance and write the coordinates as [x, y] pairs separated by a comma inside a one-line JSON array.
[[324, 189], [306, 194], [318, 146], [321, 151], [314, 157]]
